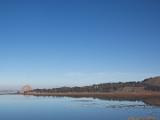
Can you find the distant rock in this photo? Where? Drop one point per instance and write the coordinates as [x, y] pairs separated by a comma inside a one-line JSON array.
[[26, 88]]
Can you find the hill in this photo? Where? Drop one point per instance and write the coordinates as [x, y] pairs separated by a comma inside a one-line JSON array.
[[149, 84], [152, 83]]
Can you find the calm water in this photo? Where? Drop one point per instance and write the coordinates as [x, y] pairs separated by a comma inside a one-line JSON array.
[[18, 107]]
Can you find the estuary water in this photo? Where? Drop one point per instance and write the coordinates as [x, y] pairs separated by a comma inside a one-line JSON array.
[[19, 107]]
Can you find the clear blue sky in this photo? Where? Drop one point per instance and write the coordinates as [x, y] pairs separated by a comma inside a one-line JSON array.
[[49, 43]]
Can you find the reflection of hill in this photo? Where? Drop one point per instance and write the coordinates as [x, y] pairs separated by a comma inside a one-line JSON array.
[[152, 101]]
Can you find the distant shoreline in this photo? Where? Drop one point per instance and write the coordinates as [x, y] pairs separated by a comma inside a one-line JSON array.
[[123, 95], [152, 98]]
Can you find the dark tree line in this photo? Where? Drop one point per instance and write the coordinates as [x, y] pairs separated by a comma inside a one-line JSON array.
[[106, 87]]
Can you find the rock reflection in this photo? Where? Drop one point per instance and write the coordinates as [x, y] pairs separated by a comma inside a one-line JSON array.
[[152, 101]]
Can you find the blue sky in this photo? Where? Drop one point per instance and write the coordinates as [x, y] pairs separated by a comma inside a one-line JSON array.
[[49, 43]]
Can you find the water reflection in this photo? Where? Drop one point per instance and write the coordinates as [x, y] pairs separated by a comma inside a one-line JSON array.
[[149, 101], [19, 107], [112, 103], [140, 118]]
